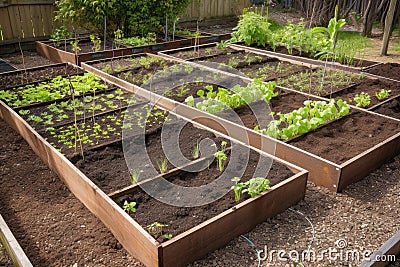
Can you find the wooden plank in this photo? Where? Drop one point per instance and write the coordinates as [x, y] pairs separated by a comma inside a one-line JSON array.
[[218, 231], [360, 166], [53, 54], [389, 249], [47, 16], [26, 22], [129, 233], [12, 246], [36, 21], [15, 21], [5, 23], [6, 3]]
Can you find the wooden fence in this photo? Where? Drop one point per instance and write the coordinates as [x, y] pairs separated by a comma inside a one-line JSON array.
[[25, 19], [32, 19]]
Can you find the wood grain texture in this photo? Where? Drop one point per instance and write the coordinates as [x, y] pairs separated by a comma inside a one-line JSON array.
[[14, 250]]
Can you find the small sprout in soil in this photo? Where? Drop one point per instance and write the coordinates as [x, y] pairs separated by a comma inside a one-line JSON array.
[[135, 176], [382, 94], [168, 236], [24, 112], [196, 151], [253, 187], [363, 100], [162, 165], [221, 156], [129, 207], [155, 228], [223, 44]]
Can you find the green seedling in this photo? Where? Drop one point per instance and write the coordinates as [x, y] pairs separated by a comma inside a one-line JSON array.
[[196, 151], [129, 207], [155, 228], [168, 236], [135, 176], [96, 42], [382, 94], [221, 156], [162, 165], [363, 100]]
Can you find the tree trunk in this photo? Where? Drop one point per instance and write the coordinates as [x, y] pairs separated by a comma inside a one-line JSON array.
[[388, 26]]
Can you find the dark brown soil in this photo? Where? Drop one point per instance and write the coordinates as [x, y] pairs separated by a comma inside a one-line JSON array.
[[318, 82], [4, 258], [30, 76], [202, 52], [345, 138], [257, 66], [178, 219], [369, 86], [388, 70], [391, 108], [51, 225], [107, 166]]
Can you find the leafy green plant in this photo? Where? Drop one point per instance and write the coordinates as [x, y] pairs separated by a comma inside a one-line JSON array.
[[363, 100], [253, 187], [96, 42], [140, 41], [223, 44], [221, 156], [129, 207], [382, 94], [59, 34], [215, 102], [252, 28], [331, 32], [118, 38], [303, 120], [162, 165], [75, 46]]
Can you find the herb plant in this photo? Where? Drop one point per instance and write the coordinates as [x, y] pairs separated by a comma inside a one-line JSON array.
[[382, 94], [196, 151], [363, 100], [96, 42], [135, 176], [155, 228]]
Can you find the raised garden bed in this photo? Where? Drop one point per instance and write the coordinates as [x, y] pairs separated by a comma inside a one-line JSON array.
[[281, 51], [11, 245], [354, 161], [387, 70], [212, 233], [251, 64], [60, 54], [390, 107], [32, 75], [367, 86]]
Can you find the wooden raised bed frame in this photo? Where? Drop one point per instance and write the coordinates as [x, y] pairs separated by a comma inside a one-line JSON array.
[[45, 49], [333, 176], [181, 249]]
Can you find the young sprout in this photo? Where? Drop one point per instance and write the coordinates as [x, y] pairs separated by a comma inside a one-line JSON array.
[[155, 228], [253, 187], [129, 207], [196, 151], [168, 236], [162, 165], [221, 156], [135, 176]]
